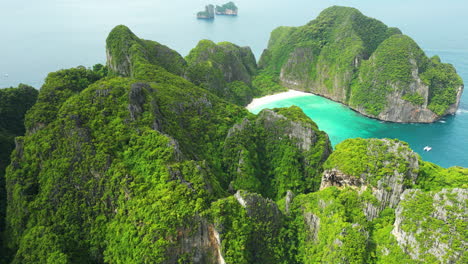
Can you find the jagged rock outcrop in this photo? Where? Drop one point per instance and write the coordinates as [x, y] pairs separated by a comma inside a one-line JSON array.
[[259, 208], [250, 227], [224, 69], [150, 168], [329, 228], [201, 243], [279, 150], [229, 9], [288, 201], [337, 178], [208, 13], [126, 54], [432, 226], [382, 166], [123, 155], [360, 62]]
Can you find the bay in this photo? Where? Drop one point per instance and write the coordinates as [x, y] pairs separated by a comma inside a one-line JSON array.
[[38, 37]]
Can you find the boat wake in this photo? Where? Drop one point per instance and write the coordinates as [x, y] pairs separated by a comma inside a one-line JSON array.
[[462, 111]]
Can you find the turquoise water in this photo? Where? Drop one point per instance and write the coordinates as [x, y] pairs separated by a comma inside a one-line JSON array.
[[38, 37], [448, 137]]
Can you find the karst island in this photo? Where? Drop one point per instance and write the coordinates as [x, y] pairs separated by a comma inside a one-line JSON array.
[[229, 9]]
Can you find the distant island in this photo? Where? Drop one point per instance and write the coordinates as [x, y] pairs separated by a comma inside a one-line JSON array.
[[208, 13], [229, 9]]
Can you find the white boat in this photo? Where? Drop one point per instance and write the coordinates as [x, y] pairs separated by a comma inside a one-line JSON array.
[[427, 148], [6, 75]]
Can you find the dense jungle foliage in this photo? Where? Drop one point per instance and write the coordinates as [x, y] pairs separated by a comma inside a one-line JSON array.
[[153, 159], [14, 102], [359, 61]]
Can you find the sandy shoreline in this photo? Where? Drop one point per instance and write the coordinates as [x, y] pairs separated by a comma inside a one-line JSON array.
[[275, 97]]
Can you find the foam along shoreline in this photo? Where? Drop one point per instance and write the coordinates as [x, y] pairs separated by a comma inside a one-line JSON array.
[[256, 102]]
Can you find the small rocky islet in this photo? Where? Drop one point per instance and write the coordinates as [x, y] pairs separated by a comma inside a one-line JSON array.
[[228, 9], [154, 159]]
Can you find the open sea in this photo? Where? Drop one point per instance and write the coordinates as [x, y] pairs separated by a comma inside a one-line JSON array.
[[38, 37]]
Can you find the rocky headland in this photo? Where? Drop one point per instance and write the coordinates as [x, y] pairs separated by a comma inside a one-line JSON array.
[[360, 62]]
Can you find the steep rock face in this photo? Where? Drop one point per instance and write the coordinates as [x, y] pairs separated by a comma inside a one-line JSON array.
[[259, 208], [200, 243], [382, 166], [229, 9], [350, 58], [14, 103], [126, 53], [432, 226], [250, 227], [224, 69], [58, 87], [140, 170], [280, 150], [80, 169], [329, 228], [208, 13], [400, 69]]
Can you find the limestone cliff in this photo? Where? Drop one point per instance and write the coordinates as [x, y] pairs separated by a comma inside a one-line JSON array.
[[431, 227], [385, 168], [358, 61], [331, 231], [229, 9], [224, 69], [126, 54], [144, 166], [208, 13], [250, 228], [279, 150]]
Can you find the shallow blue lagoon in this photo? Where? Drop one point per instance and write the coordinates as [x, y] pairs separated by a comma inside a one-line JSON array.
[[447, 137]]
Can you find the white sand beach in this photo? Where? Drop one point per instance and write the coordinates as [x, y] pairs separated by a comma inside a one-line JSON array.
[[274, 97]]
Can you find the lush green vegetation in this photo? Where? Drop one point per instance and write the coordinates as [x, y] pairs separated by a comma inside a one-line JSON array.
[[58, 87], [334, 228], [389, 67], [225, 69], [359, 61], [128, 54], [444, 84], [435, 178], [417, 211], [371, 159], [266, 84], [250, 235], [224, 8], [136, 164], [14, 103], [414, 98], [258, 159]]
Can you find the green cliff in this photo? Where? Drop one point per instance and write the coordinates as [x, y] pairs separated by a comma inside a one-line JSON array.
[[359, 61], [147, 163], [208, 13], [225, 69], [14, 103], [127, 55], [229, 9]]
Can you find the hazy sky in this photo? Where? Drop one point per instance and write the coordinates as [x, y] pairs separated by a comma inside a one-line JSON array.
[[42, 36]]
